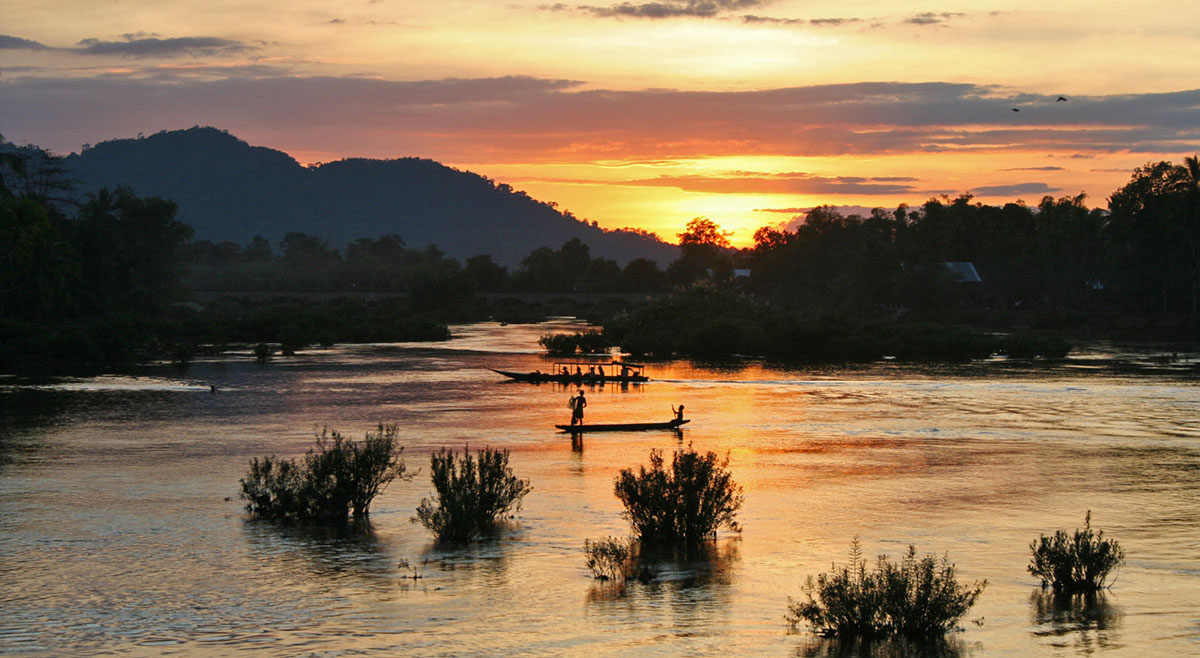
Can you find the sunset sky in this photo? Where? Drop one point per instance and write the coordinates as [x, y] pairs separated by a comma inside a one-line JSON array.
[[638, 114]]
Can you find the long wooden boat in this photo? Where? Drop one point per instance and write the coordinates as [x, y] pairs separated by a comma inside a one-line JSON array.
[[622, 427], [573, 372]]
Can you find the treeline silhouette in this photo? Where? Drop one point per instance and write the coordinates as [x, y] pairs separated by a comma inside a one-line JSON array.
[[431, 280], [96, 285], [838, 288]]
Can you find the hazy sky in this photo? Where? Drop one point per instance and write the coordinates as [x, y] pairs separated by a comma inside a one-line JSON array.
[[634, 113]]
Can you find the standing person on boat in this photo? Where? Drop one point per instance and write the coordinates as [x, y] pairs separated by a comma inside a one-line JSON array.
[[577, 404], [678, 413]]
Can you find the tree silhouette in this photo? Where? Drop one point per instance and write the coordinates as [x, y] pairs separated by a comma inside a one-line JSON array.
[[703, 231]]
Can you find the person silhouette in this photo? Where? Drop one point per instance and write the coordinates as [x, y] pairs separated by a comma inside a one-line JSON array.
[[678, 413], [577, 404]]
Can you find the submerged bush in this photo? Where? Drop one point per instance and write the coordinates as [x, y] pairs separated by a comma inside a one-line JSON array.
[[588, 342], [592, 342], [473, 493], [1079, 563], [337, 477], [559, 343], [1029, 345], [263, 352], [610, 558], [917, 597], [684, 505]]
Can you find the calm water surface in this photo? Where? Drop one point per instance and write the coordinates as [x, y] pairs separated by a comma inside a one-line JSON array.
[[121, 534]]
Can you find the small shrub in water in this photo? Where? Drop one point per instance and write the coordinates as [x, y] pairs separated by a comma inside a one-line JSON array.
[[918, 597], [610, 558], [272, 488], [682, 506], [1028, 346], [559, 343], [1079, 563], [592, 342], [263, 352], [472, 494], [588, 342], [335, 478]]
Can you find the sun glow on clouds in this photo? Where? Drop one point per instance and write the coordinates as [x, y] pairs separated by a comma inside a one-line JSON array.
[[744, 193], [662, 196]]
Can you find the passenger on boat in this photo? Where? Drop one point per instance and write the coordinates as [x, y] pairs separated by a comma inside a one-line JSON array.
[[678, 412]]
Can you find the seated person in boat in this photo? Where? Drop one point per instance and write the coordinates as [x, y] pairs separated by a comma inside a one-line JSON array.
[[678, 412]]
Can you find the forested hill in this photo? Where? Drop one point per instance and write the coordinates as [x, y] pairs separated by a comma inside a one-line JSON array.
[[229, 190]]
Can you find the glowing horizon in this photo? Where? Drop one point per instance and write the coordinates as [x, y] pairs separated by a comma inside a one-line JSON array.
[[641, 115]]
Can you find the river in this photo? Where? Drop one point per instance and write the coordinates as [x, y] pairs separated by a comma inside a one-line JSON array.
[[121, 532]]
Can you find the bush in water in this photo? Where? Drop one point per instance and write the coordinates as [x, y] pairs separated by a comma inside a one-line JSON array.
[[558, 343], [1079, 563], [917, 597], [588, 342], [335, 478], [682, 506], [609, 558], [473, 493]]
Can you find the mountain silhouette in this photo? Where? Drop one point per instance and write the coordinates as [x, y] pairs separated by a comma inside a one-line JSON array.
[[229, 190]]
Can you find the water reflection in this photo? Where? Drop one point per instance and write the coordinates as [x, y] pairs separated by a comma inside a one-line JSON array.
[[897, 647], [681, 577], [1087, 621], [343, 553], [483, 563]]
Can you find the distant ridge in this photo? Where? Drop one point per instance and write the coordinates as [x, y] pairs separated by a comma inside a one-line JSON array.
[[229, 190]]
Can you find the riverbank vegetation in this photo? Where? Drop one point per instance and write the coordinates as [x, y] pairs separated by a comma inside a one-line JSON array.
[[474, 493], [1079, 563], [918, 597], [707, 322], [336, 478]]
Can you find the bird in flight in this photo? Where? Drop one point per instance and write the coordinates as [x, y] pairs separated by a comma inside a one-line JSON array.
[[1016, 109], [1061, 99]]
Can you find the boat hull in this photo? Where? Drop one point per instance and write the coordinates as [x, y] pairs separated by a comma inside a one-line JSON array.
[[622, 427], [571, 379]]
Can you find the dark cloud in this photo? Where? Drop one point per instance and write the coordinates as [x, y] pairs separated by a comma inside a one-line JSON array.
[[175, 75], [17, 43], [524, 119], [137, 46], [1014, 190], [783, 183], [669, 8], [933, 18], [751, 19], [834, 21], [1046, 168]]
